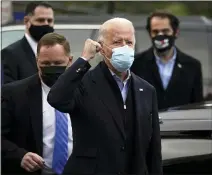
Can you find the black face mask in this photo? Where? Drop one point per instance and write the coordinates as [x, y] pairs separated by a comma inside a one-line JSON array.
[[37, 32], [50, 74], [163, 43]]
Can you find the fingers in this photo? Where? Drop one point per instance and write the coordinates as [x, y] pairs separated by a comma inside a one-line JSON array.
[[39, 160], [29, 165], [32, 162], [90, 49], [32, 165], [98, 46]]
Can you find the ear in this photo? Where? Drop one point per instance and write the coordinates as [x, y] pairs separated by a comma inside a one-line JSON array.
[[70, 59], [26, 19], [69, 62], [177, 33], [102, 50], [38, 64]]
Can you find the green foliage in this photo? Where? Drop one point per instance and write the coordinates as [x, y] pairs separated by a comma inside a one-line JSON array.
[[180, 8]]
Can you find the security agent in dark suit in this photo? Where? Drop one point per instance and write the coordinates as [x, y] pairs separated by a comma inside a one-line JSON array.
[[29, 125], [19, 58], [114, 113], [176, 76]]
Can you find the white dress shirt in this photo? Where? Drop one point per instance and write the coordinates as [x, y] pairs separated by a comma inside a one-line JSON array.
[[32, 43], [49, 127]]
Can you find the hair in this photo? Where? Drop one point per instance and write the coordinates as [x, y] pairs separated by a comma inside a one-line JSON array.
[[30, 8], [51, 39], [174, 21], [106, 25]]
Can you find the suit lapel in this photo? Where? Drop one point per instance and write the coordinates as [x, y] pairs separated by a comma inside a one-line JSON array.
[[29, 52], [35, 99], [107, 97], [176, 74], [139, 97], [154, 68], [156, 74], [141, 105]]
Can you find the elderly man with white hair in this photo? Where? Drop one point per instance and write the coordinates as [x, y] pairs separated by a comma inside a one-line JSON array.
[[114, 113]]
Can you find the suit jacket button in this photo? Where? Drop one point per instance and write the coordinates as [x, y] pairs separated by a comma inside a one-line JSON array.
[[79, 69], [123, 148]]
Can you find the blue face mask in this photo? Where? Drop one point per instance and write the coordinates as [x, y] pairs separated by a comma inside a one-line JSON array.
[[122, 58]]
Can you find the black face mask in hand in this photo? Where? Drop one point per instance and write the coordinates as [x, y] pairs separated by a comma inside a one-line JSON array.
[[37, 32], [50, 74], [163, 43]]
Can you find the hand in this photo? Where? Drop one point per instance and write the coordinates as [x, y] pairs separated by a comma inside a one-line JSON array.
[[90, 49], [32, 162]]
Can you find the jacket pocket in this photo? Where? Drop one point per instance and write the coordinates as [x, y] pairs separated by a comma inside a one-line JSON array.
[[82, 161]]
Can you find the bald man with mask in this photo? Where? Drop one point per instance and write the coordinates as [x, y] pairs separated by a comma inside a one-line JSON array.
[[114, 113]]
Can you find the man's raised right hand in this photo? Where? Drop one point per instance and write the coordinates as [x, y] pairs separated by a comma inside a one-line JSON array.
[[90, 49]]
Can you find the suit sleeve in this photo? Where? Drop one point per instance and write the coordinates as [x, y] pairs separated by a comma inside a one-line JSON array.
[[11, 153], [69, 89], [10, 72], [197, 91], [154, 156]]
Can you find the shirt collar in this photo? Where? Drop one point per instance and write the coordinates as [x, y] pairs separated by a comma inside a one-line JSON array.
[[173, 58], [32, 43], [45, 87], [128, 75]]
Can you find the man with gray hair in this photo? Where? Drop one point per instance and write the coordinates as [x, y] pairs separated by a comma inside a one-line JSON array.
[[114, 113]]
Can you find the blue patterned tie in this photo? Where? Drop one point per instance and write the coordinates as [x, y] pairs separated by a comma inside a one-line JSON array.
[[60, 154]]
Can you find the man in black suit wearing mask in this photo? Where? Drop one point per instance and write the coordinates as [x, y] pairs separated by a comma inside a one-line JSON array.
[[19, 58], [176, 76], [31, 129]]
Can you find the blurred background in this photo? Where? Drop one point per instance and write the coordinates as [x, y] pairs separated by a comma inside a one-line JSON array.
[[180, 8], [81, 20]]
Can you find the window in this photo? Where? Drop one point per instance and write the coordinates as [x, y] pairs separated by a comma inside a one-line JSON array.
[[75, 37], [9, 37]]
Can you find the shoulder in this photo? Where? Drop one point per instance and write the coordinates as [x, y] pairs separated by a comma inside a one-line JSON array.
[[18, 87], [188, 59], [13, 47]]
